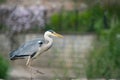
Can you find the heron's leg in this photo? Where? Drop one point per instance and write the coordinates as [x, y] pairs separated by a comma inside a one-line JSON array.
[[28, 61], [29, 66]]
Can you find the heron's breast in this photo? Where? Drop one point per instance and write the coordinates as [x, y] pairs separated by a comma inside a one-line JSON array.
[[41, 50]]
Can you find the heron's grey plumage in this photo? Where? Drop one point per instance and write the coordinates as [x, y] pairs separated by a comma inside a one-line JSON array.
[[27, 49], [32, 49]]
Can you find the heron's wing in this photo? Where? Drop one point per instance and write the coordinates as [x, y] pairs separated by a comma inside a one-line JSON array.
[[27, 49]]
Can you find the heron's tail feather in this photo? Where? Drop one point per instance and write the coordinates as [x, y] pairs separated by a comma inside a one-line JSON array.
[[18, 57], [12, 55]]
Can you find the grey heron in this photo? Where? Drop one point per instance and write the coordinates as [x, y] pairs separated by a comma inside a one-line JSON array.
[[33, 48]]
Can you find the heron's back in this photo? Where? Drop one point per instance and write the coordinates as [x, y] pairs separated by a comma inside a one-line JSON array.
[[27, 49]]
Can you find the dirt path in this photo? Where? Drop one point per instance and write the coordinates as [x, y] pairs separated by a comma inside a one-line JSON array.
[[21, 73]]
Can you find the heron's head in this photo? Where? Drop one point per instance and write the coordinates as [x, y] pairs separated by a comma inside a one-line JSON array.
[[53, 33]]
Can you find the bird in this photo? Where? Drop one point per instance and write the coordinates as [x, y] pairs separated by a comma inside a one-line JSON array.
[[33, 48]]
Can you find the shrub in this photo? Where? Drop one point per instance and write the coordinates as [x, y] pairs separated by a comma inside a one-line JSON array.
[[75, 21], [104, 59], [3, 68]]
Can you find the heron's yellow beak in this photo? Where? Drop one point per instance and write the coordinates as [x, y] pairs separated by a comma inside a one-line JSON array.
[[57, 35]]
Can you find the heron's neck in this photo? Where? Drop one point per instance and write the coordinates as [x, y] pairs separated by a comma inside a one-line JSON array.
[[48, 40]]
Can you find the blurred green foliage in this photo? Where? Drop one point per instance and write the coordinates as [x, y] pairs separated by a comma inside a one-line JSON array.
[[75, 21], [3, 68], [67, 22], [2, 28], [113, 9], [104, 59], [2, 1], [95, 19]]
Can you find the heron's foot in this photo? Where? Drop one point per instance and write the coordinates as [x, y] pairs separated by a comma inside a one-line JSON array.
[[36, 70], [39, 72]]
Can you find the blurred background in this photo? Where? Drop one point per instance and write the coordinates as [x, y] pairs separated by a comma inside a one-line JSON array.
[[90, 48]]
